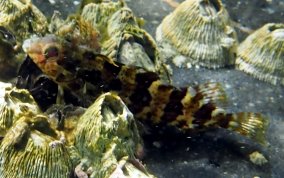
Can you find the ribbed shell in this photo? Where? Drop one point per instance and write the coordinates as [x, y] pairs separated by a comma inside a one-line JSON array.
[[201, 31], [99, 14], [130, 44], [22, 18], [262, 54], [28, 152], [14, 103], [121, 38], [106, 133]]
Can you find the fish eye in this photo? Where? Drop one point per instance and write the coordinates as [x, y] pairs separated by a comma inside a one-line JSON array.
[[51, 51]]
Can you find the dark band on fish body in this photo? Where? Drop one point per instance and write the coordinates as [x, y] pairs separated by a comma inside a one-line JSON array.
[[114, 70], [140, 99], [203, 114], [174, 107]]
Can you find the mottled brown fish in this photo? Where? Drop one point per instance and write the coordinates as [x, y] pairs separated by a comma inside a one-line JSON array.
[[87, 74]]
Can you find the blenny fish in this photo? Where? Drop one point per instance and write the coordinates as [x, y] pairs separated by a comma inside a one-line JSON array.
[[87, 74]]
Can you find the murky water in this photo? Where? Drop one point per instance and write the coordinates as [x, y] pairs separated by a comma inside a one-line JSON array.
[[205, 155]]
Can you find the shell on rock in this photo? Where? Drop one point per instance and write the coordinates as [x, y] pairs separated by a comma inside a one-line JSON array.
[[261, 54], [22, 18], [29, 142], [101, 141], [98, 14], [130, 44], [106, 134], [13, 104], [122, 39], [19, 19], [200, 31], [34, 149]]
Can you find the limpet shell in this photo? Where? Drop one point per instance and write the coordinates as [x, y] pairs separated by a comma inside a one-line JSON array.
[[261, 54], [201, 31]]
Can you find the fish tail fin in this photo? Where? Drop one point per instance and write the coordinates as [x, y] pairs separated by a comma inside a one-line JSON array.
[[251, 125]]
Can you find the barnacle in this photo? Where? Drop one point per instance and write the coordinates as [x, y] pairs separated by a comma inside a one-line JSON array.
[[200, 31], [19, 19], [22, 18], [98, 14], [106, 134], [34, 149], [261, 54], [29, 143], [130, 44], [13, 104], [122, 39], [76, 30]]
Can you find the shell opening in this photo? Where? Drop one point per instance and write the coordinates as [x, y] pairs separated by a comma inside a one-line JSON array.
[[210, 7], [274, 27], [277, 32], [111, 108]]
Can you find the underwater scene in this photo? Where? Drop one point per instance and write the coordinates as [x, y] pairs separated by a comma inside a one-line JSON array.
[[141, 88]]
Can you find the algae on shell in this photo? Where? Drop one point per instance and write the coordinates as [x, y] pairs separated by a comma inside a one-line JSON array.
[[122, 38], [19, 19], [106, 135], [31, 149], [22, 18], [13, 104], [65, 140]]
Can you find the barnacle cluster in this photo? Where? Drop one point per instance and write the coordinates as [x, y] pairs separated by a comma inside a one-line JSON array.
[[200, 32], [122, 38], [101, 141]]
